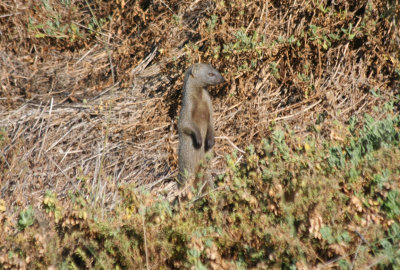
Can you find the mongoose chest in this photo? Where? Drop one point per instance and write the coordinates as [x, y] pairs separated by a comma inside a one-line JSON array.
[[201, 112]]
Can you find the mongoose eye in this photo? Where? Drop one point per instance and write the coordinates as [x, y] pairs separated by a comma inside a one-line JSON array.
[[211, 74]]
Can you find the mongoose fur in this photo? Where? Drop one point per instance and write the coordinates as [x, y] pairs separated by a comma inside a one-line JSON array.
[[195, 124]]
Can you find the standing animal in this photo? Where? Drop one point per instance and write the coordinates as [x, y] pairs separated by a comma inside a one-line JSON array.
[[195, 124]]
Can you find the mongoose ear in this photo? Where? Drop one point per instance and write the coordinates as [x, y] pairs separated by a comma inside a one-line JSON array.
[[193, 70]]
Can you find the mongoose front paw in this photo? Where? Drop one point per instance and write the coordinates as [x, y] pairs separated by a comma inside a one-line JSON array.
[[197, 142], [210, 141]]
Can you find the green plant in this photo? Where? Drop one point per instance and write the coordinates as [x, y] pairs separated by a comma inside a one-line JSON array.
[[26, 218], [373, 135], [349, 32], [2, 134], [212, 22], [176, 19], [279, 140], [274, 69], [275, 206], [244, 43], [54, 26], [324, 9], [319, 35], [52, 205], [386, 249], [392, 204]]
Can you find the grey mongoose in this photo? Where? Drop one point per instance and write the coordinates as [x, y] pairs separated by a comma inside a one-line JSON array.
[[195, 124]]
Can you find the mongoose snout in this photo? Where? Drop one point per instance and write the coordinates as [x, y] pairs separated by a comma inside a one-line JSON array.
[[195, 124]]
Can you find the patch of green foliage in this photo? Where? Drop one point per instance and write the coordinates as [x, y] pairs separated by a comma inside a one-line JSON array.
[[57, 25], [26, 218], [291, 202]]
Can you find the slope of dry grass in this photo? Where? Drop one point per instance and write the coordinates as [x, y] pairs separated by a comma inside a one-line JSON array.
[[90, 89]]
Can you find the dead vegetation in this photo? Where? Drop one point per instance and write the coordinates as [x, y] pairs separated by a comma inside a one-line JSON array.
[[90, 89]]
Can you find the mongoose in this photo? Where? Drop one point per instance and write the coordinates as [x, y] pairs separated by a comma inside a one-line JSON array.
[[195, 124]]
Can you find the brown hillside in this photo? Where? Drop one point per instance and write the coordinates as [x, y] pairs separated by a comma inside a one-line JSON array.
[[90, 89]]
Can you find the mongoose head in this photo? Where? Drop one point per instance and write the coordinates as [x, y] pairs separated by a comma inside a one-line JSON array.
[[206, 75]]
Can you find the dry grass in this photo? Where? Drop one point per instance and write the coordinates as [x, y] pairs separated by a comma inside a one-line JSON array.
[[97, 112], [89, 95]]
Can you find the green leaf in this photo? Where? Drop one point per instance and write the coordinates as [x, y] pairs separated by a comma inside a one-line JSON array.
[[26, 218]]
